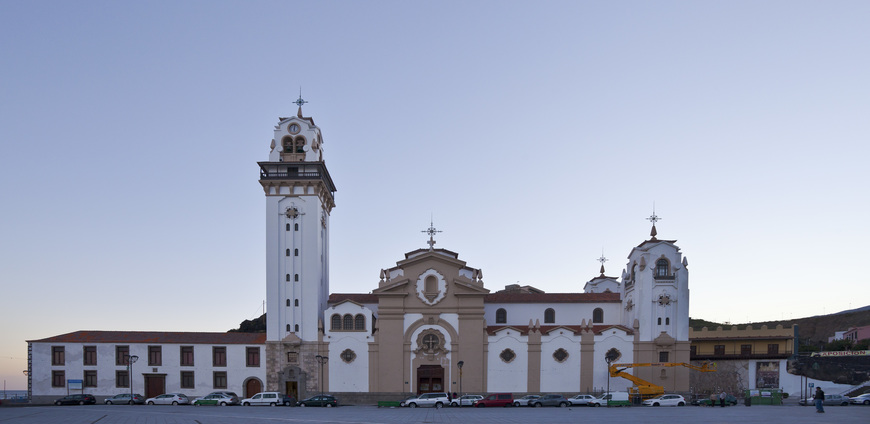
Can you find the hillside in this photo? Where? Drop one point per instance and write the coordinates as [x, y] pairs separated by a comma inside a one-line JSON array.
[[811, 330]]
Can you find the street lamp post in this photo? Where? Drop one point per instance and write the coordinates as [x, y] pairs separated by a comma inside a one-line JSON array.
[[321, 360], [27, 375], [130, 361], [460, 364]]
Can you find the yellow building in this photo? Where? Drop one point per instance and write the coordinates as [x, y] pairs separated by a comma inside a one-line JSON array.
[[746, 357]]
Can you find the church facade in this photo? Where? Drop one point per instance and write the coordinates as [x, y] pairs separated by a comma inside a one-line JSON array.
[[428, 324]]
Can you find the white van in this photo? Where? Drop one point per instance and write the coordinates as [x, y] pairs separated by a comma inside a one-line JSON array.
[[612, 398]]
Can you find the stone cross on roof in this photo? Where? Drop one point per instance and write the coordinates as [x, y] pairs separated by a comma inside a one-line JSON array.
[[431, 231]]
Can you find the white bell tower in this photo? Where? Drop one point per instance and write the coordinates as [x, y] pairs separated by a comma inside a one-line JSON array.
[[299, 198]]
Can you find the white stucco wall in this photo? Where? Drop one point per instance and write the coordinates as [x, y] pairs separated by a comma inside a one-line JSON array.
[[560, 377], [512, 376], [352, 376], [236, 369], [566, 313], [612, 338]]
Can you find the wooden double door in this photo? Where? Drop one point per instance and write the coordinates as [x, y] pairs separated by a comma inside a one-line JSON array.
[[430, 378], [155, 385]]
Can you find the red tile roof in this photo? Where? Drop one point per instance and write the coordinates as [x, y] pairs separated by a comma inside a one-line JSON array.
[[524, 329], [551, 297], [502, 297], [165, 337]]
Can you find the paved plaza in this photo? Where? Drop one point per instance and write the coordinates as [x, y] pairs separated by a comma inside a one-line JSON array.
[[123, 414]]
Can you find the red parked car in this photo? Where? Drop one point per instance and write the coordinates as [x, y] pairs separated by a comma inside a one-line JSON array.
[[495, 399]]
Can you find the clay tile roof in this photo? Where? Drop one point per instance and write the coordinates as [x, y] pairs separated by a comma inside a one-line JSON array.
[[164, 337], [524, 329], [501, 297], [361, 298]]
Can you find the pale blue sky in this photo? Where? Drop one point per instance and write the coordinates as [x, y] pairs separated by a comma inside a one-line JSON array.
[[537, 133]]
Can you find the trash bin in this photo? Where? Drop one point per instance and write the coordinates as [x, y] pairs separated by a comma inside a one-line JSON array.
[[747, 401]]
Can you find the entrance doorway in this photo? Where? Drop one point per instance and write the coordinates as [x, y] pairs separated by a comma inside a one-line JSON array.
[[253, 387], [292, 389], [155, 385], [430, 378]]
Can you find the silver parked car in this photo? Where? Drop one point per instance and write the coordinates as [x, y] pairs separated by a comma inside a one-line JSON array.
[[526, 400], [169, 399], [830, 400], [860, 399], [581, 400], [467, 400], [125, 399], [428, 399]]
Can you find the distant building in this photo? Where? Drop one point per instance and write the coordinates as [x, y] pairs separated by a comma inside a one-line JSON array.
[[747, 358], [857, 333]]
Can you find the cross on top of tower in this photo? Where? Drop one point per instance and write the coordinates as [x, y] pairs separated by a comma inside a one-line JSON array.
[[602, 259], [431, 231], [653, 218], [299, 102]]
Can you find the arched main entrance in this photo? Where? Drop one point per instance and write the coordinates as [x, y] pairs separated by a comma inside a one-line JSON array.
[[430, 378], [252, 387]]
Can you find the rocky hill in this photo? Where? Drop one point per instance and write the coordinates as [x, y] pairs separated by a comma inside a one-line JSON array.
[[811, 330]]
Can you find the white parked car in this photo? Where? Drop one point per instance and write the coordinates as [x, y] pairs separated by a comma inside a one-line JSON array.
[[581, 400], [666, 400], [264, 398], [526, 400], [466, 400], [169, 399], [427, 399]]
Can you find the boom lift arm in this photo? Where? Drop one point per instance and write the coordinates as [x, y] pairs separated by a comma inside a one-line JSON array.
[[646, 389]]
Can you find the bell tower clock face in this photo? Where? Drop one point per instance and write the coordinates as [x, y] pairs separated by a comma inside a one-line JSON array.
[[293, 128]]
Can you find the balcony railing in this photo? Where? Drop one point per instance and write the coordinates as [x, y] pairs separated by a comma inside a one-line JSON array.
[[275, 175]]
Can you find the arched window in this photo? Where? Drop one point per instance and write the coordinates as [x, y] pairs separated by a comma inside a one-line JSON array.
[[296, 277], [667, 320], [300, 142], [287, 143], [336, 322], [660, 320], [359, 322], [296, 227], [288, 328], [597, 316], [295, 252], [287, 277], [501, 316], [287, 226], [662, 267], [288, 302], [297, 328], [549, 316], [287, 252], [348, 322], [296, 302]]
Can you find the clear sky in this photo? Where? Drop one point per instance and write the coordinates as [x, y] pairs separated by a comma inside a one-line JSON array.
[[536, 134]]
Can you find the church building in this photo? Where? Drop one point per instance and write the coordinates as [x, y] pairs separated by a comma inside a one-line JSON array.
[[428, 324]]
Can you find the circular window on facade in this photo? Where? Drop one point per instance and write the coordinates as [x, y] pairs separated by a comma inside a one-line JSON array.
[[612, 355], [507, 355], [560, 355], [348, 356]]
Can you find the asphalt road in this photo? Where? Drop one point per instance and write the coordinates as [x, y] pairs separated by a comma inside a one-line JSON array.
[[125, 414]]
